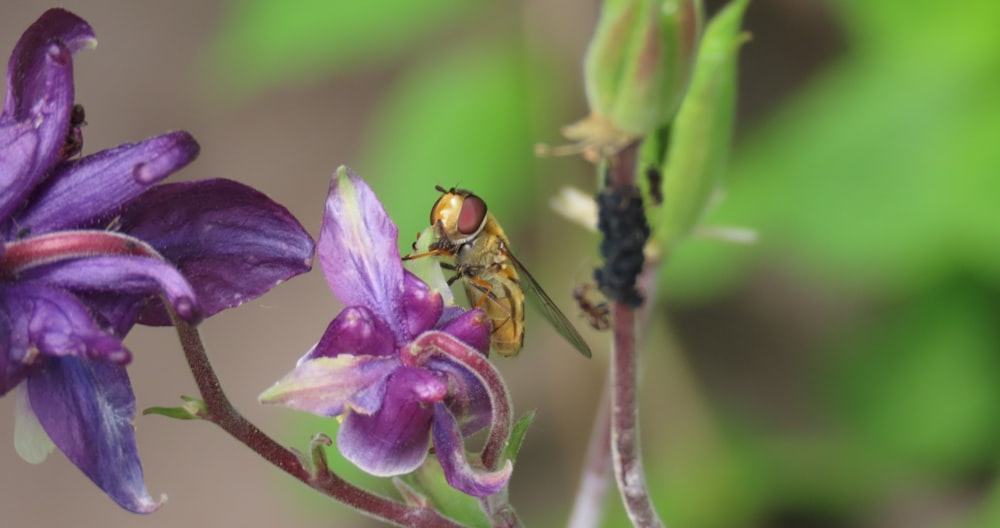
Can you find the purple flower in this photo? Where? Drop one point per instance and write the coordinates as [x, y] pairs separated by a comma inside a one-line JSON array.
[[89, 247], [392, 362]]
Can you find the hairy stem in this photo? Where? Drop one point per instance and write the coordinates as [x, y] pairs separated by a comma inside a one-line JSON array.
[[222, 413], [625, 452]]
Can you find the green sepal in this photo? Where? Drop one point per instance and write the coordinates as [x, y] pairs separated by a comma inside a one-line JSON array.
[[701, 134], [193, 409], [428, 483], [517, 434]]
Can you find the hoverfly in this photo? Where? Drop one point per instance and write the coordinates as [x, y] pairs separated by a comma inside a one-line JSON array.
[[467, 233]]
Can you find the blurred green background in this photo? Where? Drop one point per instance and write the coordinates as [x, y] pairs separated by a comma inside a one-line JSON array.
[[842, 372]]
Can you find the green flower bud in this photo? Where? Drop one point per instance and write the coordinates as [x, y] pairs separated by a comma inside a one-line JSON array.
[[636, 70]]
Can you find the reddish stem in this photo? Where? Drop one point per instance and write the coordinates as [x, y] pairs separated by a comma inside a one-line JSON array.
[[625, 452], [593, 488], [222, 413]]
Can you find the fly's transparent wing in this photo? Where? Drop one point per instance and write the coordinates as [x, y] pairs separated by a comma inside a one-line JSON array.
[[548, 308]]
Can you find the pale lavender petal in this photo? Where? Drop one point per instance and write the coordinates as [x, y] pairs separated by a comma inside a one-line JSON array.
[[455, 462], [394, 440], [31, 441], [122, 274], [422, 305], [355, 331], [87, 408], [91, 190], [231, 242], [37, 320], [325, 386], [357, 251]]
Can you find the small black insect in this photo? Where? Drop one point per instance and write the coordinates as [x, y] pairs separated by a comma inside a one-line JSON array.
[[73, 143]]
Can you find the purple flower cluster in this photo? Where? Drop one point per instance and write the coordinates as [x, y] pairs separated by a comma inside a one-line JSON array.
[[90, 246]]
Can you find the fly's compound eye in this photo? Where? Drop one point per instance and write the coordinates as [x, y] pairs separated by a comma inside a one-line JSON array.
[[472, 216]]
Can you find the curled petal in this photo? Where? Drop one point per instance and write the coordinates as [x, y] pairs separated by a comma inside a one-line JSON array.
[[43, 112], [469, 399], [455, 463], [27, 78], [326, 386], [87, 408], [42, 320], [124, 275], [358, 253], [394, 440], [422, 305], [354, 331], [92, 190], [230, 241]]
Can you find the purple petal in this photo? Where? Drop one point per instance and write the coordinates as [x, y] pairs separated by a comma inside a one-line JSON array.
[[91, 190], [355, 331], [357, 251], [327, 386], [39, 97], [122, 274], [87, 408], [116, 310], [18, 146], [231, 242], [28, 77], [394, 440], [455, 463], [36, 319], [472, 328], [15, 362], [422, 305]]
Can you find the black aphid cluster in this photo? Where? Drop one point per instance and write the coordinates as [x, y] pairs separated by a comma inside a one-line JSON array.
[[622, 220]]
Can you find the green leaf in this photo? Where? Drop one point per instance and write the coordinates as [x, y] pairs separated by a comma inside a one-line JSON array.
[[266, 42]]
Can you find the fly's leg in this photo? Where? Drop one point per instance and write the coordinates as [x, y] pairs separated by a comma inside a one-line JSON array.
[[487, 288]]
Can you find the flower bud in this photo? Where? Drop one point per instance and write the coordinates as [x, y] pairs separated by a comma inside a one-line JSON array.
[[636, 70]]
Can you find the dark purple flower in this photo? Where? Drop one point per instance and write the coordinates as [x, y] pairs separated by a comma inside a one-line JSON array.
[[383, 363], [91, 245]]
